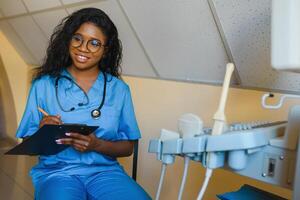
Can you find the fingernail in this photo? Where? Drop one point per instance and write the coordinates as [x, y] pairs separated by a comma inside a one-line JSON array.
[[68, 134], [58, 141]]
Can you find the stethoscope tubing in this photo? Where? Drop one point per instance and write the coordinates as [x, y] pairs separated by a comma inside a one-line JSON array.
[[95, 113]]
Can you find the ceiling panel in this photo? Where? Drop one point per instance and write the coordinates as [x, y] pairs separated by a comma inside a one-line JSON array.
[[183, 44], [31, 35], [49, 20], [246, 25], [167, 39], [135, 61], [34, 5], [12, 7], [71, 1], [15, 40]]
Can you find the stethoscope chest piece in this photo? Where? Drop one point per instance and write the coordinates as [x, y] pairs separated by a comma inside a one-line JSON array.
[[95, 113]]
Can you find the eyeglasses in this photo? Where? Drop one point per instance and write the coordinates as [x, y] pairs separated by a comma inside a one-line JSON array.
[[93, 45]]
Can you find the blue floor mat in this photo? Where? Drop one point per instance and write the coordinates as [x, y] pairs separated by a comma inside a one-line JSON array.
[[248, 192]]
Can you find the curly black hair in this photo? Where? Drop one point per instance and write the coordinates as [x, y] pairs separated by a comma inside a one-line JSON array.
[[57, 57]]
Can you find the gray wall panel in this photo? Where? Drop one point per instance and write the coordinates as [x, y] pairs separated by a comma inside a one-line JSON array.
[[180, 37], [247, 28], [49, 20], [17, 42], [32, 36], [135, 62], [71, 1], [12, 7], [35, 5]]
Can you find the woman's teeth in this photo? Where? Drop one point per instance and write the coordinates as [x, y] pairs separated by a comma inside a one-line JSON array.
[[82, 58]]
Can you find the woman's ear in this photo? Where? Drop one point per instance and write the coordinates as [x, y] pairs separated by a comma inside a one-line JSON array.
[[105, 52]]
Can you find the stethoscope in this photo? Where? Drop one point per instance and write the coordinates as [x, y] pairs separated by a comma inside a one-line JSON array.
[[96, 113]]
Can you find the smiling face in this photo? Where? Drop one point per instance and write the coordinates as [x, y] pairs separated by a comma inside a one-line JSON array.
[[87, 47]]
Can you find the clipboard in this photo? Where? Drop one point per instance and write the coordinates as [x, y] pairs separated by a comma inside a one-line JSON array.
[[43, 142]]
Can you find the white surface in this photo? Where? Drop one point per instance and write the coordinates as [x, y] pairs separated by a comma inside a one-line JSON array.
[[34, 39], [71, 1], [190, 125], [49, 20], [34, 5], [12, 7], [286, 35], [134, 60], [220, 117], [16, 41], [180, 37], [168, 135], [246, 25]]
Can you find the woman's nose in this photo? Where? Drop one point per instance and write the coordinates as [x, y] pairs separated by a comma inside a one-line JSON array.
[[83, 47]]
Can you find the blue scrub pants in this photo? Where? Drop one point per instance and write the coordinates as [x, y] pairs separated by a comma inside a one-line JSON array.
[[108, 185]]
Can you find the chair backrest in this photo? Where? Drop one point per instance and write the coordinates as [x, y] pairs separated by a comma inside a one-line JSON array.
[[135, 160]]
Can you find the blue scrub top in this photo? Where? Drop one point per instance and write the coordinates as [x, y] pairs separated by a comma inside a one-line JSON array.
[[117, 121]]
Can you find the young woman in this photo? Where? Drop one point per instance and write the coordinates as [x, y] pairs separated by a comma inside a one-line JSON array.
[[79, 82]]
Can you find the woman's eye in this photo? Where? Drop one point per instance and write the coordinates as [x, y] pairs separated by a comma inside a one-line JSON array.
[[95, 43], [77, 38]]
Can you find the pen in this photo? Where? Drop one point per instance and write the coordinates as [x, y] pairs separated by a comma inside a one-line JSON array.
[[42, 111]]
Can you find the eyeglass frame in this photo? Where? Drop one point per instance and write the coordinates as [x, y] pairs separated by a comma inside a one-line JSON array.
[[86, 46]]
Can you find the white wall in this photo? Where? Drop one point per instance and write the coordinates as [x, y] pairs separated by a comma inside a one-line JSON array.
[[13, 87], [16, 71], [8, 122]]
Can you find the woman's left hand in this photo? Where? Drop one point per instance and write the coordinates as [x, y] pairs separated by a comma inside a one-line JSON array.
[[82, 143]]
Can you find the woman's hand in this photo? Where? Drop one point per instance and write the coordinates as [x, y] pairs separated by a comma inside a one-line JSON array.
[[51, 119], [86, 143], [82, 143]]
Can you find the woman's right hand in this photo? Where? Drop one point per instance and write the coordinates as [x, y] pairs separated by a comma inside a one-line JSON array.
[[51, 119]]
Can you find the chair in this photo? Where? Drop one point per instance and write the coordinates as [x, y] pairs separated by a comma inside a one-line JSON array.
[[135, 160]]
